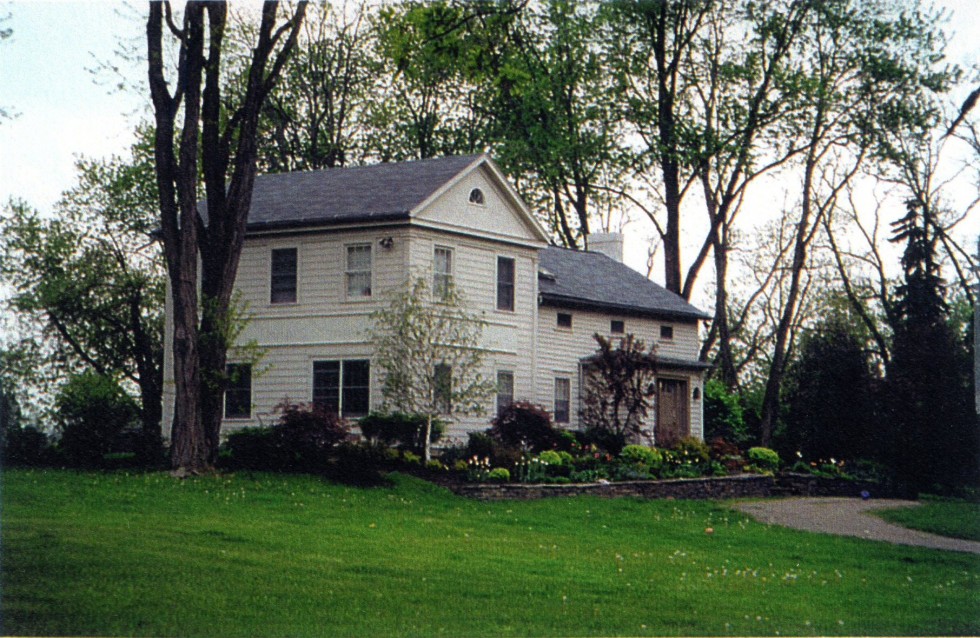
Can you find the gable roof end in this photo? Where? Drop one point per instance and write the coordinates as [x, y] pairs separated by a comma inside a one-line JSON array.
[[379, 192]]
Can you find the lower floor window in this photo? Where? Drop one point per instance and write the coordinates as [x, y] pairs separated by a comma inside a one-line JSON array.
[[238, 394], [563, 391], [505, 390], [343, 387]]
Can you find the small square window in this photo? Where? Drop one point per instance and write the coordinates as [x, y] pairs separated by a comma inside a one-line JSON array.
[[666, 332], [617, 326], [564, 320]]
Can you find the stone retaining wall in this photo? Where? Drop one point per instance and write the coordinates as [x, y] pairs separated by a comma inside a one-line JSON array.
[[719, 488]]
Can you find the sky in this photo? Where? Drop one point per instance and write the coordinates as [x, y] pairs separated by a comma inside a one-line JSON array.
[[64, 110]]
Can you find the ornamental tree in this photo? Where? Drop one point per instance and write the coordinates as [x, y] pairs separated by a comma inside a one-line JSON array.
[[429, 350]]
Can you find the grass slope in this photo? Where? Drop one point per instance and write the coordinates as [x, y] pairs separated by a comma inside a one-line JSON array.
[[244, 555], [946, 517]]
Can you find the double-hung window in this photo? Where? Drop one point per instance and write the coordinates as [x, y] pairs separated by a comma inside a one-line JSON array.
[[238, 393], [283, 282], [505, 390], [505, 283], [343, 387], [442, 272], [358, 272], [563, 399], [443, 377]]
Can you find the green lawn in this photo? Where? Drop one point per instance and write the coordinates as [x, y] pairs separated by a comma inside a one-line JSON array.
[[244, 555], [947, 517]]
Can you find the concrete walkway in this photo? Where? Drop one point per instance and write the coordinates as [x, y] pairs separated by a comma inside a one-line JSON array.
[[849, 517]]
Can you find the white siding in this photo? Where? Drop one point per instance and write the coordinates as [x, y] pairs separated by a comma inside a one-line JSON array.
[[561, 349]]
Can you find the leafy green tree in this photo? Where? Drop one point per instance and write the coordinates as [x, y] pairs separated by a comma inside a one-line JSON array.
[[92, 276], [430, 354], [555, 116], [314, 117], [92, 411], [423, 103]]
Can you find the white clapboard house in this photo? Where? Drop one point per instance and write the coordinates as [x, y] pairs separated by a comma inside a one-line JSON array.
[[323, 248]]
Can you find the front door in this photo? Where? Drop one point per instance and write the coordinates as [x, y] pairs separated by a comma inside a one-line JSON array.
[[672, 411]]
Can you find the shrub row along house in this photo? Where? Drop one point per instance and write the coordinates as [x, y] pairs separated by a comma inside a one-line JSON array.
[[323, 248]]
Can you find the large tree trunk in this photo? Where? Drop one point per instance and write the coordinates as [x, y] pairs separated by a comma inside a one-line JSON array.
[[200, 349]]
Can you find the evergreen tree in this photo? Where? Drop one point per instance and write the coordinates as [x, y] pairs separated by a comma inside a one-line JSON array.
[[935, 429]]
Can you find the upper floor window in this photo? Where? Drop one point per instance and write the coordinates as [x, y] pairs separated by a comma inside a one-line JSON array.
[[477, 197], [343, 387], [238, 393], [505, 283], [564, 320], [666, 332], [442, 272], [283, 282], [617, 326], [563, 400], [505, 390], [358, 271]]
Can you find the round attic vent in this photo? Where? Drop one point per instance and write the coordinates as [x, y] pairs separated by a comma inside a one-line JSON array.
[[476, 197]]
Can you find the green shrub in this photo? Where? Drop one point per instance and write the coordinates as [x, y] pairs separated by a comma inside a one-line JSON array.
[[26, 447], [252, 449], [398, 428], [499, 475], [723, 414], [306, 433], [525, 425], [640, 455], [764, 459], [411, 458], [589, 476], [551, 457], [92, 412]]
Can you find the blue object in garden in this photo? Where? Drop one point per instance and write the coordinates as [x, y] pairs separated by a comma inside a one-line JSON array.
[[865, 495]]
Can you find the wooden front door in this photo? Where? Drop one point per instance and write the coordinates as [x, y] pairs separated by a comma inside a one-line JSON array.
[[672, 411]]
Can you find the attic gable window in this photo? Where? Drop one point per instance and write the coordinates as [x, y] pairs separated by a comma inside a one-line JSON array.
[[477, 197]]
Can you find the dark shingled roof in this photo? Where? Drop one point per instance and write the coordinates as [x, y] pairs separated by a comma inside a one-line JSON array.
[[381, 192], [590, 280]]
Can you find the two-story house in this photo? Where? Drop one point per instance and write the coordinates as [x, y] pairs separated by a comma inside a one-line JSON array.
[[323, 248]]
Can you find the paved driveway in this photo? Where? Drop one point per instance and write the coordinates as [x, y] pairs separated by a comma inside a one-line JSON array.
[[849, 517]]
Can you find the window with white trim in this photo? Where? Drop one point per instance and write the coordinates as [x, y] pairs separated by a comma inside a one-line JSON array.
[[442, 272], [282, 284], [506, 270], [563, 399], [505, 390], [343, 387], [617, 326], [358, 271], [238, 393], [444, 387]]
